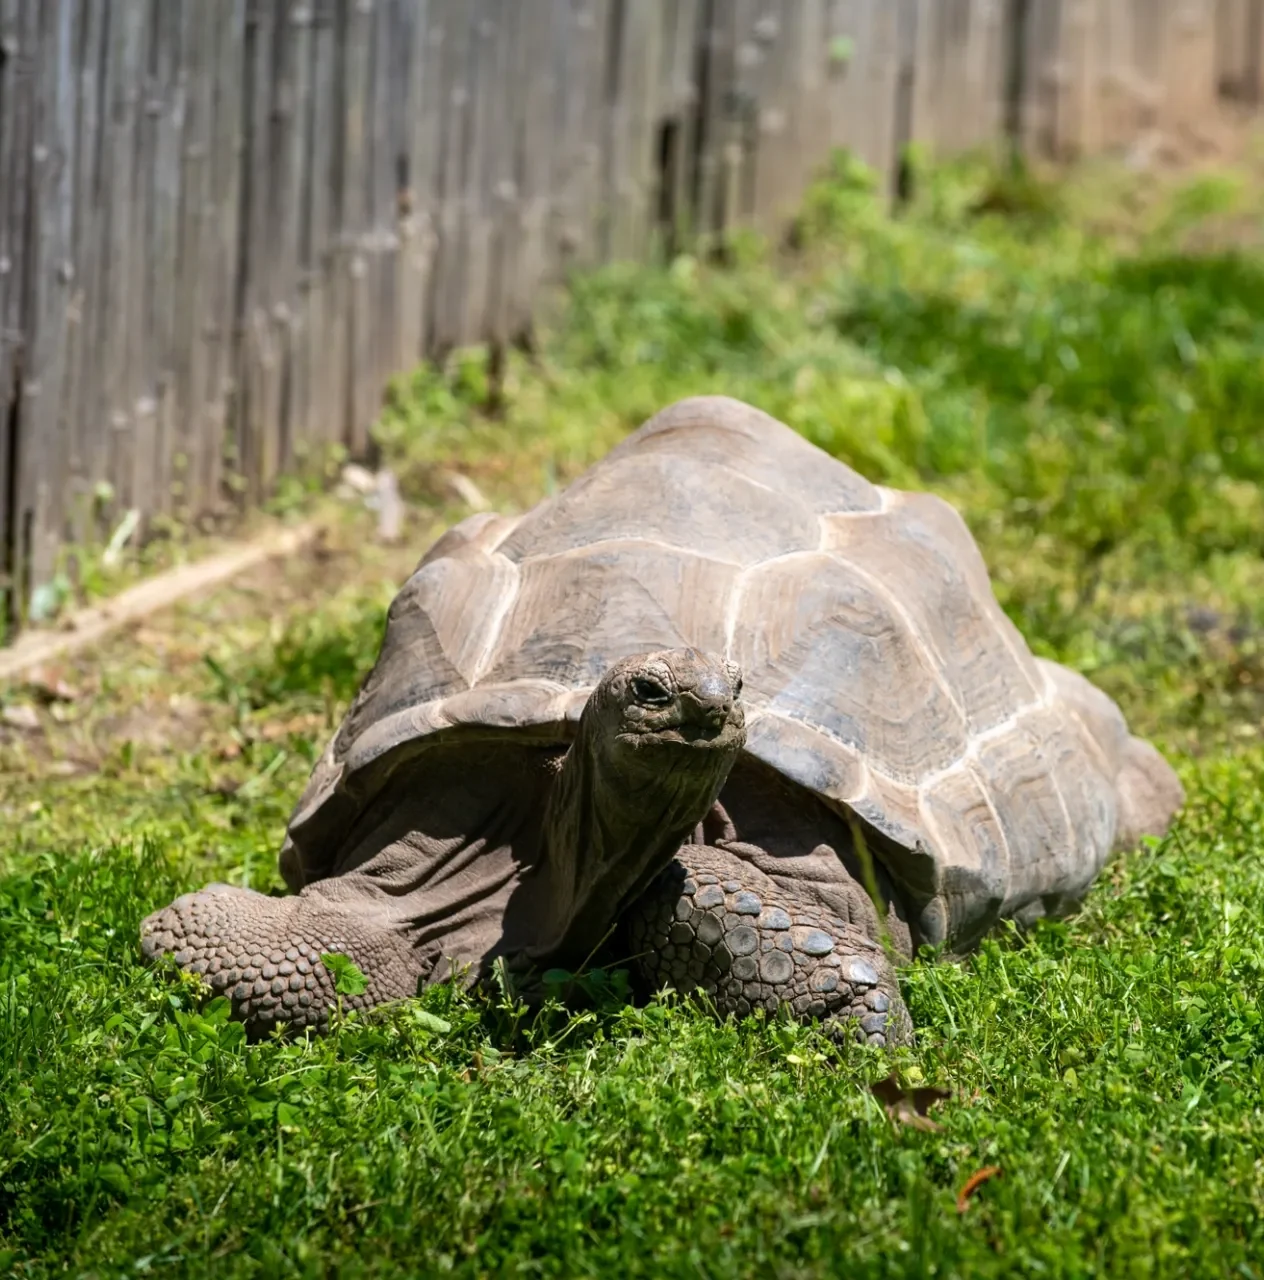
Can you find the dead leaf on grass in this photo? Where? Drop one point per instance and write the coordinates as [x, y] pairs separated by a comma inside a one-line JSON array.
[[974, 1182], [69, 768], [909, 1106], [303, 725]]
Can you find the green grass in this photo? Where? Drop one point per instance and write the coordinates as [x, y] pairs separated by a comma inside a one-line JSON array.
[[1089, 393]]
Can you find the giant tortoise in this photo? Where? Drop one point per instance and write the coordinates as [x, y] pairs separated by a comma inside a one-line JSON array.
[[723, 709]]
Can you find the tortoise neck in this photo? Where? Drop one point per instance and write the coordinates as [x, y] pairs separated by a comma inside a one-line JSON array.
[[613, 822]]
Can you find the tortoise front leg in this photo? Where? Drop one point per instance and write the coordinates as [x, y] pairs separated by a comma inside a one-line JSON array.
[[715, 922], [264, 953]]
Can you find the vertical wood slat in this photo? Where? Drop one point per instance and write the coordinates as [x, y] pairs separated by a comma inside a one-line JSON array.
[[165, 116], [486, 179], [81, 395], [195, 78], [16, 104], [288, 148], [446, 302], [680, 103], [421, 120], [222, 226], [321, 355], [502, 194], [1046, 78], [392, 48], [353, 227], [258, 407], [580, 123], [538, 90], [1189, 62], [1240, 49], [723, 108], [634, 107], [49, 37]]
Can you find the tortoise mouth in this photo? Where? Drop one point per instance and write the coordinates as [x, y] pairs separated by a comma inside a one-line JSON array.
[[691, 737]]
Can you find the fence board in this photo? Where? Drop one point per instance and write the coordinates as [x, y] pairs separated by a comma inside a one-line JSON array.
[[491, 194], [80, 397], [320, 356], [1239, 49], [419, 149], [579, 55], [539, 91], [16, 105], [458, 62], [48, 34]]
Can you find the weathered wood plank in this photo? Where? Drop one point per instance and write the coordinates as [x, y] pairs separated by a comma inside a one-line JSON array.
[[678, 121], [289, 148], [196, 79], [538, 90], [420, 121], [1189, 66], [258, 405], [724, 111], [222, 268], [1240, 49], [47, 39], [16, 110], [388, 89], [633, 114], [580, 57], [79, 399], [165, 113], [115, 309], [1046, 80], [321, 357], [459, 23], [499, 212], [774, 34]]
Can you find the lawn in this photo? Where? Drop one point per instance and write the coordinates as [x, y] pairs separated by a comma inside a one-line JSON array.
[[1081, 371]]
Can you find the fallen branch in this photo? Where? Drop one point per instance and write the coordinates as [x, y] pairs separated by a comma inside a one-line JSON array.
[[87, 626]]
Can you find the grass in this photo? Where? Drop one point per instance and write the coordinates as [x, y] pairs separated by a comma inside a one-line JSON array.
[[1087, 389]]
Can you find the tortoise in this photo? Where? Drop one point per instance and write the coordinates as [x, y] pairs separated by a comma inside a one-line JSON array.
[[721, 708]]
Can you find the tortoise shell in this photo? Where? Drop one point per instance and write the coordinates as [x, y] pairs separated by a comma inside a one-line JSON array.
[[880, 672]]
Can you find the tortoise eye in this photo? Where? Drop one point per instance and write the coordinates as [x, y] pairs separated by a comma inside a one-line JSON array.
[[650, 692], [734, 673]]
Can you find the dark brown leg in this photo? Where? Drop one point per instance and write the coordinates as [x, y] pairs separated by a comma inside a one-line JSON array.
[[713, 921], [264, 953]]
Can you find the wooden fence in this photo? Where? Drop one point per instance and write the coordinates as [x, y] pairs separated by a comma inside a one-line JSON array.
[[225, 223]]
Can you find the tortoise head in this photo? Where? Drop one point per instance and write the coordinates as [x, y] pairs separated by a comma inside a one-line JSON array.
[[656, 741], [679, 705]]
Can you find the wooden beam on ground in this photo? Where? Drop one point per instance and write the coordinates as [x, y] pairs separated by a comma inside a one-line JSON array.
[[91, 625]]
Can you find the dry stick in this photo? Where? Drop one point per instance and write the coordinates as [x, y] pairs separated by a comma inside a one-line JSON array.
[[93, 624]]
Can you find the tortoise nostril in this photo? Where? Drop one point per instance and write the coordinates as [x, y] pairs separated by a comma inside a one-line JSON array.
[[714, 691]]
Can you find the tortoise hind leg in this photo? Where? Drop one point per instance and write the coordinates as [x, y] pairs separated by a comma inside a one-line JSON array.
[[712, 920], [264, 953]]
